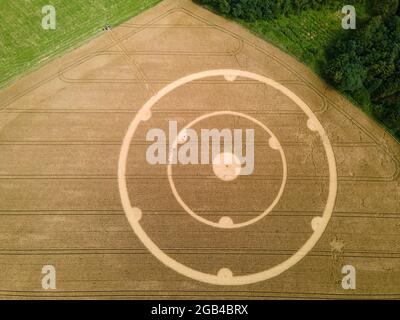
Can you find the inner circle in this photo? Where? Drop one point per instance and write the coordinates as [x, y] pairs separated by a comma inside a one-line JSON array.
[[274, 146], [226, 166]]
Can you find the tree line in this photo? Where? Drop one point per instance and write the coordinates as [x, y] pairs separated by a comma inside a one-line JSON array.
[[251, 10], [365, 63]]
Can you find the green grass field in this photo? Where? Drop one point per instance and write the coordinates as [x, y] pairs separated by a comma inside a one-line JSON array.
[[24, 45], [305, 36]]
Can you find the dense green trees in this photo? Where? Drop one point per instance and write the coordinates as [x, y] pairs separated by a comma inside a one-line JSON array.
[[366, 65], [384, 8]]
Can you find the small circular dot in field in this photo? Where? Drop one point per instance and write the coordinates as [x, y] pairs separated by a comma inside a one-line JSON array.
[[135, 213], [146, 115], [316, 222], [274, 143], [225, 222], [312, 125], [182, 136], [226, 166], [230, 77], [225, 273]]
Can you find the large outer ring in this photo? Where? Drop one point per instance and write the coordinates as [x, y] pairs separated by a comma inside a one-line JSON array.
[[234, 225], [144, 114]]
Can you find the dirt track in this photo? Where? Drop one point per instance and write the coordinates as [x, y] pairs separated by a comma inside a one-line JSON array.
[[61, 130]]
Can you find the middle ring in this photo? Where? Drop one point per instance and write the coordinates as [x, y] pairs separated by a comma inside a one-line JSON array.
[[226, 222]]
